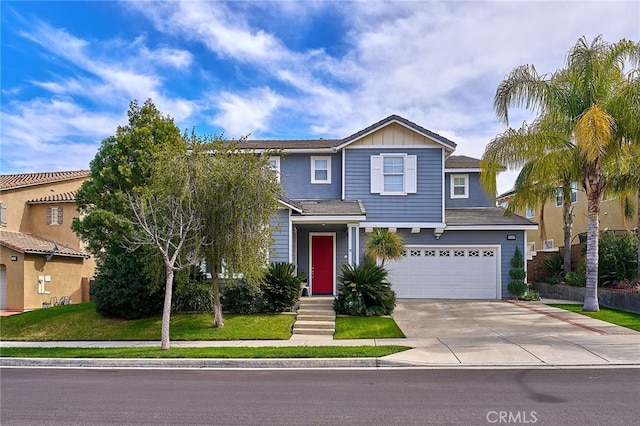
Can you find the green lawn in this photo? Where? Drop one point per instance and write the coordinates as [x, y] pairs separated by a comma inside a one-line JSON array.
[[221, 352], [81, 322], [366, 328], [614, 316]]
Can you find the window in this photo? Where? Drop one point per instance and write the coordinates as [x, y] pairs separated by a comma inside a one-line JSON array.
[[548, 244], [560, 196], [530, 212], [54, 216], [394, 174], [459, 186], [3, 215], [274, 163], [320, 169], [42, 284]]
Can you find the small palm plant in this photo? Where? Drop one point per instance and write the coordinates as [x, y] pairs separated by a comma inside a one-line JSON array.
[[383, 245], [364, 290]]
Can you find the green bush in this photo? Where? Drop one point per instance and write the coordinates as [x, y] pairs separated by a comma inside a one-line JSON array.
[[553, 267], [575, 279], [120, 290], [364, 290], [617, 257], [281, 286], [192, 292], [517, 286], [242, 297]]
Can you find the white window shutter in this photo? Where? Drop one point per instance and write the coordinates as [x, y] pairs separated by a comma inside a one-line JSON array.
[[60, 215], [49, 216], [376, 174], [411, 174]]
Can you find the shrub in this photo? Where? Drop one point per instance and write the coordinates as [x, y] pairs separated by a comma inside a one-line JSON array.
[[575, 279], [281, 287], [553, 267], [242, 297], [364, 290], [192, 292], [120, 290], [517, 286], [617, 257]]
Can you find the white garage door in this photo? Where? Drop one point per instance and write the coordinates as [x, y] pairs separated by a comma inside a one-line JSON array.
[[451, 272]]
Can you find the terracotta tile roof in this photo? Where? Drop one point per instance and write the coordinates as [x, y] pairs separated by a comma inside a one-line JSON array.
[[485, 216], [31, 179], [461, 162], [32, 244], [63, 197]]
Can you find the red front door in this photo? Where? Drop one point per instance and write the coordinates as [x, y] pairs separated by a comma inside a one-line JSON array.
[[322, 264]]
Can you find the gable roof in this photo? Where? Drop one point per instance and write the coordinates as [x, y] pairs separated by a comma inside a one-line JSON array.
[[461, 162], [403, 122], [334, 145], [31, 179], [32, 244], [63, 197]]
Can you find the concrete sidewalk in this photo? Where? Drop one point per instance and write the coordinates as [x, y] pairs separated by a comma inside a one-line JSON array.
[[441, 333]]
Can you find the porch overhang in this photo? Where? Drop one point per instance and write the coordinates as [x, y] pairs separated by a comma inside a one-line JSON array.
[[329, 211]]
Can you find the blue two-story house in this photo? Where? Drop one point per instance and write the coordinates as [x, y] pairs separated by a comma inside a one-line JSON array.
[[402, 177]]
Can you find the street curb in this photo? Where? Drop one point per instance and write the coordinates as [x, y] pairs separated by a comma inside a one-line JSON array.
[[195, 363]]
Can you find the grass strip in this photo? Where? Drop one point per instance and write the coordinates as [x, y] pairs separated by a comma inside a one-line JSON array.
[[82, 322], [613, 316], [209, 352], [366, 328]]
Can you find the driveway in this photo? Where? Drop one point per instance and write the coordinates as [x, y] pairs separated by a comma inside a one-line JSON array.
[[479, 332]]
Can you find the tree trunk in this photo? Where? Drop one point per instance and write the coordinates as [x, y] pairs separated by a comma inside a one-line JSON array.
[[567, 212], [594, 189], [166, 309], [543, 228], [218, 322], [638, 231]]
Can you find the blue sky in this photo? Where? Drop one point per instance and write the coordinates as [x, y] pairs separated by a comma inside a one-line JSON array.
[[274, 69]]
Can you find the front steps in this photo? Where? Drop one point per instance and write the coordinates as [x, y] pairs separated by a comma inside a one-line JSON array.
[[316, 317]]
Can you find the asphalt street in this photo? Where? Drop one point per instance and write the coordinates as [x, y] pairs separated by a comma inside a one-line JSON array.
[[320, 397]]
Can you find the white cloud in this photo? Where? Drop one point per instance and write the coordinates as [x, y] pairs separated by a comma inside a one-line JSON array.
[[241, 115]]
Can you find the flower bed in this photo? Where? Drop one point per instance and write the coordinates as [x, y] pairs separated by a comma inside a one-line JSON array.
[[623, 300]]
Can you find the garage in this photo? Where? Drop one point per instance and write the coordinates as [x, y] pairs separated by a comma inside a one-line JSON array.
[[447, 272]]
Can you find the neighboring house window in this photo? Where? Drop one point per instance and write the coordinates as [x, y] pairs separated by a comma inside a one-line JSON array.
[[548, 244], [504, 204], [54, 216], [574, 194], [42, 284], [394, 174], [274, 162], [530, 212], [3, 215], [320, 169], [459, 186]]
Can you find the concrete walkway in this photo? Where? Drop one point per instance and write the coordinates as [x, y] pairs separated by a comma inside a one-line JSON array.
[[441, 333]]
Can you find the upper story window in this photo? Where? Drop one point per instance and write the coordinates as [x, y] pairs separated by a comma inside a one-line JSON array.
[[459, 186], [394, 174], [54, 216], [3, 214], [530, 212], [320, 169], [560, 196], [274, 163]]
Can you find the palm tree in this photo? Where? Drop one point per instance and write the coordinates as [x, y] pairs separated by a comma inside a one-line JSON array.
[[383, 245], [594, 101]]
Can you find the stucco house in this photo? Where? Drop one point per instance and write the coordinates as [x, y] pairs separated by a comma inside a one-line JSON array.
[[41, 258], [399, 176]]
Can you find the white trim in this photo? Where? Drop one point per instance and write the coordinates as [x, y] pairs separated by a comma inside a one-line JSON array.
[[288, 206], [492, 227], [395, 147], [399, 225], [444, 185], [315, 158], [452, 178], [333, 259], [462, 170], [328, 219], [291, 242], [276, 167], [344, 160]]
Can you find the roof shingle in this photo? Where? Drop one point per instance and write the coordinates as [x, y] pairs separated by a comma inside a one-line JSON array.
[[486, 216], [63, 197], [31, 179], [32, 244]]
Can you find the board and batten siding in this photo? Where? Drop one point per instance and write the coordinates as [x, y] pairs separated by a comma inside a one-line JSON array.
[[295, 176], [478, 197], [423, 206], [465, 238], [280, 233]]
